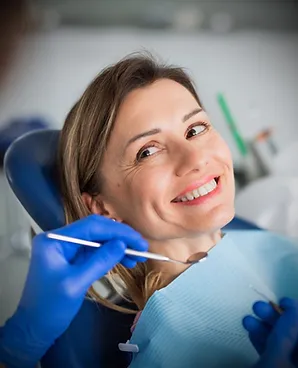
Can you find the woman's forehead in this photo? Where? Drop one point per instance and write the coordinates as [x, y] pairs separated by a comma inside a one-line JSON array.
[[158, 103]]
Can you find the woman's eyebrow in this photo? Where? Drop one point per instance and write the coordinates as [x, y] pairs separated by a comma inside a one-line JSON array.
[[141, 135], [191, 114], [158, 130]]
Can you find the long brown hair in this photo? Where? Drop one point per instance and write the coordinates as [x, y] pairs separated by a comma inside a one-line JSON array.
[[83, 141]]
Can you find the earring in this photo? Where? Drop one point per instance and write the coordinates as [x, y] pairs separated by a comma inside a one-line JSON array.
[[113, 219]]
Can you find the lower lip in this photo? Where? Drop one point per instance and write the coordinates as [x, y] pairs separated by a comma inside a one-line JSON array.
[[202, 199]]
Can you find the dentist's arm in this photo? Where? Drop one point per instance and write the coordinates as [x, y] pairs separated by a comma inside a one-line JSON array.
[[274, 336], [59, 276]]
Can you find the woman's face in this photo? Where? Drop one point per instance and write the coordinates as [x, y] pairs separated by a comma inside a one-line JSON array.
[[163, 153]]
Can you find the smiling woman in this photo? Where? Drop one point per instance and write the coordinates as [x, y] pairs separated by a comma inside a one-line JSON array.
[[139, 148], [149, 157]]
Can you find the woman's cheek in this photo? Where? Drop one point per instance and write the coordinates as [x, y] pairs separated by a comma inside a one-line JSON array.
[[222, 148]]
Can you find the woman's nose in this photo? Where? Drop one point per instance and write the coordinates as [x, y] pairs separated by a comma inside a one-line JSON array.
[[190, 157]]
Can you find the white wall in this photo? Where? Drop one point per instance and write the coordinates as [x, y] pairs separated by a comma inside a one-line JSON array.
[[258, 73]]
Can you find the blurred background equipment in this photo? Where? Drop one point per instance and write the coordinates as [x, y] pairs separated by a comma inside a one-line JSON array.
[[285, 163], [278, 15], [271, 203], [17, 127], [242, 55], [264, 150]]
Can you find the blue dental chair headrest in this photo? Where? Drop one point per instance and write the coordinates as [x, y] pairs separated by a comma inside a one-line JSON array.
[[30, 166], [92, 338]]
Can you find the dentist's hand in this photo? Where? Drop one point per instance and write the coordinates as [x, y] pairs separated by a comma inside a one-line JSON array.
[[59, 276], [275, 336]]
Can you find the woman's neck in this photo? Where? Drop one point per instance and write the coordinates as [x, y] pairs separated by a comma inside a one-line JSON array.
[[180, 249]]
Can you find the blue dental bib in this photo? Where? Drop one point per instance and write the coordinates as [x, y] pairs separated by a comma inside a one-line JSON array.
[[196, 321]]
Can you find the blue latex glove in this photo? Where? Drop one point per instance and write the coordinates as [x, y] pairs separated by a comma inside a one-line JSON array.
[[275, 337], [59, 276], [260, 328]]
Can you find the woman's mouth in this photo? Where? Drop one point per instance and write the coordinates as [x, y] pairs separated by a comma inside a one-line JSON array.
[[199, 192]]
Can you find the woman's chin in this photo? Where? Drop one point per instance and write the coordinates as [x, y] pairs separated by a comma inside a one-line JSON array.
[[226, 218], [214, 221]]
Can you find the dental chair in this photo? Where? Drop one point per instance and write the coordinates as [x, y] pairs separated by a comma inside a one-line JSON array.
[[91, 341]]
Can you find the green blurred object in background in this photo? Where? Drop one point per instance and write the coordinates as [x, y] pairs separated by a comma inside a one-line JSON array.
[[232, 125]]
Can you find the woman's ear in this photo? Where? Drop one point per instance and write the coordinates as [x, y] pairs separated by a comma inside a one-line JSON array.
[[93, 204], [97, 206]]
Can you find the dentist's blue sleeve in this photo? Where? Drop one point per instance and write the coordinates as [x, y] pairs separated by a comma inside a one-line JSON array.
[[15, 350]]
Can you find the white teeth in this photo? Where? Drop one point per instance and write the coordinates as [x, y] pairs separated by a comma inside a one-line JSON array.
[[196, 193], [189, 196], [201, 191], [209, 187]]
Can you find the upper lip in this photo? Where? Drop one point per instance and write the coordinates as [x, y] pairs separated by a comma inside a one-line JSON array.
[[196, 184]]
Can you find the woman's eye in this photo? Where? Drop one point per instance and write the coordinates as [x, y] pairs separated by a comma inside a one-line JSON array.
[[195, 130], [149, 151]]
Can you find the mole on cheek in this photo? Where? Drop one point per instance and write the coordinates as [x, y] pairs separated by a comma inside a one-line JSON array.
[[118, 185]]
